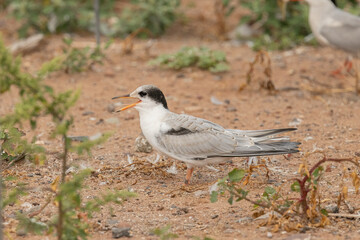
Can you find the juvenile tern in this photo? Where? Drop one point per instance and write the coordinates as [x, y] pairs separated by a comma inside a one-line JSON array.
[[196, 141]]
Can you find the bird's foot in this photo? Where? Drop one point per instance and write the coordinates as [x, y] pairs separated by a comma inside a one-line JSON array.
[[347, 67]]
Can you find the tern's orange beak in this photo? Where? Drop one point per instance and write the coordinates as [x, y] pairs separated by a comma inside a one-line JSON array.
[[128, 106]]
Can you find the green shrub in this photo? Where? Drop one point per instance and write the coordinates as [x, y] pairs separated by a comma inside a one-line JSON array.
[[80, 59], [56, 15], [202, 57], [278, 32], [153, 15], [67, 16]]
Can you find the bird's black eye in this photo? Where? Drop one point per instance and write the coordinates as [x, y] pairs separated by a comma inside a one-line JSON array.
[[142, 94]]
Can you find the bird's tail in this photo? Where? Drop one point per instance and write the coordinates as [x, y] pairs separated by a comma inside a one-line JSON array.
[[265, 142]]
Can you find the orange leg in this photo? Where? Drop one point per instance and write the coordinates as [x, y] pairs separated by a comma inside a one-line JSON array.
[[336, 72], [188, 175], [348, 65]]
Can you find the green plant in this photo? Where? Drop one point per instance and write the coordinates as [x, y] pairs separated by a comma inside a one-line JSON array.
[[153, 15], [38, 99], [201, 57], [57, 15], [164, 234], [307, 187], [79, 59], [13, 147], [11, 196], [277, 32]]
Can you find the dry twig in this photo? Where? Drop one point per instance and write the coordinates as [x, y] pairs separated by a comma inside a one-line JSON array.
[[263, 58]]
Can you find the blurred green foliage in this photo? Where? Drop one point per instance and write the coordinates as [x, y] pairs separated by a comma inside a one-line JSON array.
[[153, 15], [11, 196], [201, 57], [278, 33], [75, 227], [164, 233], [14, 147], [80, 59], [52, 16], [68, 16]]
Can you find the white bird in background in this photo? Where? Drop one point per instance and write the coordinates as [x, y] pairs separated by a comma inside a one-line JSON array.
[[334, 27], [196, 141]]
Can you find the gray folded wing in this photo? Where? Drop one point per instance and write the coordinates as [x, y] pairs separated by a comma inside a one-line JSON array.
[[195, 138], [342, 30]]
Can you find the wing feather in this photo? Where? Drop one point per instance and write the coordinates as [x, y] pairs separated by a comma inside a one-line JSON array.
[[342, 30], [203, 137]]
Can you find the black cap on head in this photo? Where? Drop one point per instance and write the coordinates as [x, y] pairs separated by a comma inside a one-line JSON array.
[[156, 94]]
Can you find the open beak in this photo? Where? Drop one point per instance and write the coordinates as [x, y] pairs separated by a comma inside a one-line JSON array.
[[128, 106]]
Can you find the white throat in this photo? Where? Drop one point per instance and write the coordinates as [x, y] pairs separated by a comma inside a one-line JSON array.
[[150, 121]]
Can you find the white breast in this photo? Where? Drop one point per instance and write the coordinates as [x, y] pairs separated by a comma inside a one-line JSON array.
[[150, 123]]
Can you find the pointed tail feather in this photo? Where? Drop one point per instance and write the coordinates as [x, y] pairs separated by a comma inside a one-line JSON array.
[[264, 149], [262, 133]]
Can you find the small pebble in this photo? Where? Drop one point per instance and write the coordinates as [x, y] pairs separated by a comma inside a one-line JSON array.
[[110, 108], [231, 109], [180, 75], [269, 235], [295, 122], [332, 208], [21, 232], [217, 77], [194, 109], [120, 232], [142, 145], [87, 113], [113, 120], [304, 229], [216, 101], [112, 222], [244, 219], [200, 193], [262, 229]]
